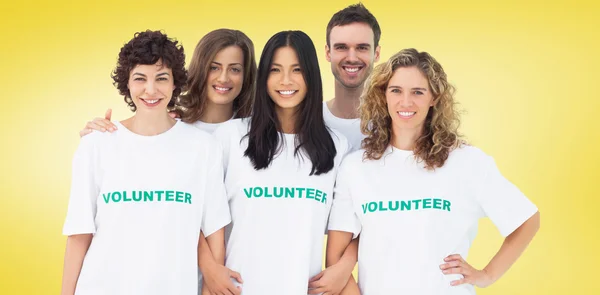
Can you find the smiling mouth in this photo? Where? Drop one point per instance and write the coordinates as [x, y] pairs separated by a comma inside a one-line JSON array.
[[151, 102], [222, 89], [406, 115], [286, 92], [352, 69]]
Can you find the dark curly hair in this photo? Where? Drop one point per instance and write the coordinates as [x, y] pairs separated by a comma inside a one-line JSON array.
[[147, 48]]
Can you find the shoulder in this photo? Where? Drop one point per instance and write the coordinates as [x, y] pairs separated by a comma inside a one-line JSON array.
[[341, 142], [233, 128]]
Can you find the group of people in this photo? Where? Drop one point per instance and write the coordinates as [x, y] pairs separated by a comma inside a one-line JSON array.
[[229, 174]]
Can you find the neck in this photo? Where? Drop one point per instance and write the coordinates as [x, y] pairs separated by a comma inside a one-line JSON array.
[[217, 113], [405, 139], [287, 120], [149, 123], [346, 101]]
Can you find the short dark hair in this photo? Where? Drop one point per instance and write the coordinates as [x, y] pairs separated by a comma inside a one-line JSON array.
[[312, 136], [356, 13], [147, 48]]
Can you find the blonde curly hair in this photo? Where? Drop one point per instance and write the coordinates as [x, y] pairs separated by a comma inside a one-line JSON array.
[[440, 130]]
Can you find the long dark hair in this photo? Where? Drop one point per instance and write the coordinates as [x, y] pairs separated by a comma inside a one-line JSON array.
[[312, 136], [194, 100]]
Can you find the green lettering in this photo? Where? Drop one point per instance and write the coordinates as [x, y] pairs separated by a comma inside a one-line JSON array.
[[426, 203], [280, 194], [381, 207], [324, 199], [364, 206], [188, 198], [289, 192], [258, 193], [125, 199], [446, 205], [148, 196], [300, 190], [318, 195], [437, 204], [137, 197], [179, 197], [372, 208], [310, 193], [267, 195], [159, 193], [392, 207], [114, 197], [106, 197], [169, 196], [405, 205], [248, 192], [416, 202]]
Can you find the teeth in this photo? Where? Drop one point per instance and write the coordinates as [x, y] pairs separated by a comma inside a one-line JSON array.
[[351, 70], [406, 114], [222, 89], [287, 92], [151, 101]]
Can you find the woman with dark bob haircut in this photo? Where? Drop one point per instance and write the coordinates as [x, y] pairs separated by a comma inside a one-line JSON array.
[[416, 191], [133, 223], [280, 168]]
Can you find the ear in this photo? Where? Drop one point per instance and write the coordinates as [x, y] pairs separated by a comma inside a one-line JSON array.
[[327, 53], [377, 53]]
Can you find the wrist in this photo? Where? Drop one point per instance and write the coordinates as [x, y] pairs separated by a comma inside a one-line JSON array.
[[207, 263], [489, 275]]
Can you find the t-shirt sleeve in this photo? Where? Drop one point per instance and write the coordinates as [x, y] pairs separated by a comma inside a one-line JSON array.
[[343, 216], [501, 201], [216, 214], [81, 212]]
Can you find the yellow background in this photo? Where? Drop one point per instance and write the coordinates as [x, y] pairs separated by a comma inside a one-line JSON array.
[[526, 73]]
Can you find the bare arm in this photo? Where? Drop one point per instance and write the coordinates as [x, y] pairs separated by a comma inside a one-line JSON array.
[[77, 247], [211, 259], [509, 252], [341, 256]]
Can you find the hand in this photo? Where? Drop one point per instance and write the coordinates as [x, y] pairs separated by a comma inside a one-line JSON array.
[[217, 280], [455, 264], [99, 124], [332, 280], [174, 115]]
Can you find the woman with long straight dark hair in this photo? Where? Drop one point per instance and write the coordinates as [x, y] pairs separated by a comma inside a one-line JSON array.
[[281, 166]]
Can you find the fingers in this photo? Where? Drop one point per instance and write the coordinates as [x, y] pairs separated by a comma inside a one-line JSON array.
[[317, 290], [451, 264], [317, 277], [236, 275], [108, 114], [459, 282], [85, 132], [453, 257], [108, 125], [315, 284]]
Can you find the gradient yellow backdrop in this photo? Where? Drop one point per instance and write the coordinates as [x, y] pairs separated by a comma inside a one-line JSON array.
[[526, 73]]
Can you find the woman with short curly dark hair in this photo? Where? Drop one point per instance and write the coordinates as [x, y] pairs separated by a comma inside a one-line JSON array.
[[416, 191], [134, 222]]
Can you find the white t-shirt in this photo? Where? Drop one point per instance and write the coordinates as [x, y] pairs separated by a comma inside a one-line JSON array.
[[279, 214], [208, 127], [410, 218], [145, 199], [350, 128]]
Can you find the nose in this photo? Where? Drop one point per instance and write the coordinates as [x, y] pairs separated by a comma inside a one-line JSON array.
[[223, 77], [352, 56], [285, 79], [151, 88], [406, 100]]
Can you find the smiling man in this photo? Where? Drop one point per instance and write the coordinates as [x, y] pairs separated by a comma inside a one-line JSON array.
[[352, 48]]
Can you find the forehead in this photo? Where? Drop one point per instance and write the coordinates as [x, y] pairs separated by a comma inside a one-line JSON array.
[[231, 53], [155, 68], [285, 55], [408, 77], [354, 33]]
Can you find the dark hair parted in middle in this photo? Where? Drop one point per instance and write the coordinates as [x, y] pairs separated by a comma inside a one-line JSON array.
[[194, 101], [147, 48], [312, 136]]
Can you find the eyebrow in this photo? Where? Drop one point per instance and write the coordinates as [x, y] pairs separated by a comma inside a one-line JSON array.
[[360, 44], [278, 65], [414, 88], [235, 63], [161, 74]]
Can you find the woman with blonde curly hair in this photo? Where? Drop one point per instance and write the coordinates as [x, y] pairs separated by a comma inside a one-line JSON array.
[[416, 191]]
